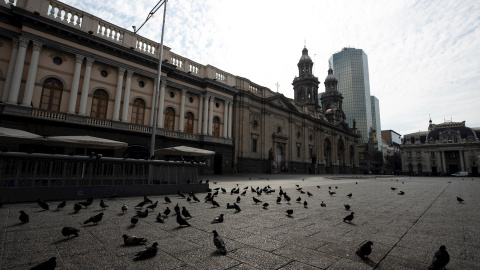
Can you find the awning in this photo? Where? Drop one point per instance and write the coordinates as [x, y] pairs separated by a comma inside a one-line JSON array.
[[84, 142], [10, 135], [183, 151]]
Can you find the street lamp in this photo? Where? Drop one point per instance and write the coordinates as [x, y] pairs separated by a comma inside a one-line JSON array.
[[159, 74]]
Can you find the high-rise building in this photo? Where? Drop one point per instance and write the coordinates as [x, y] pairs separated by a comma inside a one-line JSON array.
[[377, 128], [350, 67]]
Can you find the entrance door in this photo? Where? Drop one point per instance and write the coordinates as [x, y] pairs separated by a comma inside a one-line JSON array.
[[278, 158], [453, 168], [217, 163], [474, 170], [434, 170]]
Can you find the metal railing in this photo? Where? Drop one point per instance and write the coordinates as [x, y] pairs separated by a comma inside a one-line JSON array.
[[19, 170]]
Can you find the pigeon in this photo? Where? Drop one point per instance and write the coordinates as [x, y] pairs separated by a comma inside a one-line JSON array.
[[348, 218], [218, 242], [153, 206], [95, 219], [142, 214], [167, 211], [289, 212], [347, 207], [124, 208], [256, 200], [356, 183], [329, 187], [318, 186], [215, 203], [244, 193], [299, 200], [393, 188], [134, 221], [140, 205], [160, 218], [230, 206], [87, 203], [176, 208], [181, 221], [364, 250], [180, 194], [43, 204], [61, 205], [299, 189], [218, 219], [238, 199], [309, 194], [103, 205], [440, 259], [24, 218], [305, 204], [223, 190], [331, 193], [279, 200], [189, 199], [67, 231], [51, 264], [349, 195], [297, 185], [265, 205], [302, 192], [185, 213], [460, 200], [401, 193], [336, 187], [167, 200], [287, 198], [77, 207], [195, 198], [237, 208], [133, 240], [323, 204], [147, 253], [146, 200]]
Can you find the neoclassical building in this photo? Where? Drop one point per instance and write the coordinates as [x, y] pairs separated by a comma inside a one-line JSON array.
[[443, 149], [66, 72]]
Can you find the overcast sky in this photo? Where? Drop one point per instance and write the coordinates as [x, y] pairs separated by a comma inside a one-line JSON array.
[[423, 56]]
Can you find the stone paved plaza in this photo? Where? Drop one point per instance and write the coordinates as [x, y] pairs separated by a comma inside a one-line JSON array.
[[405, 230]]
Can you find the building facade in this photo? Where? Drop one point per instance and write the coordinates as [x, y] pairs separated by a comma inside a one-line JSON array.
[[441, 150], [66, 72]]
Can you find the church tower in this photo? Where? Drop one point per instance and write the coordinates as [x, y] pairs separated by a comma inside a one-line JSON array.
[[332, 100], [305, 86]]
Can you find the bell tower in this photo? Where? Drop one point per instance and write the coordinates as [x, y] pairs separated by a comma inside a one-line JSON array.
[[332, 99], [305, 86]]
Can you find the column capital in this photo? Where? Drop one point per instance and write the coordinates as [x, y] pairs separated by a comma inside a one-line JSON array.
[[121, 71], [90, 61], [79, 58], [37, 46], [184, 92], [15, 43], [129, 73], [164, 83], [23, 42]]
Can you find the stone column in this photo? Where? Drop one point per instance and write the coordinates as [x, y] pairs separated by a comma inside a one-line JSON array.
[[161, 104], [118, 94], [11, 66], [18, 71], [442, 156], [225, 120], [230, 117], [462, 164], [72, 103], [32, 74], [86, 86], [182, 111], [126, 97], [200, 114], [205, 115], [210, 117]]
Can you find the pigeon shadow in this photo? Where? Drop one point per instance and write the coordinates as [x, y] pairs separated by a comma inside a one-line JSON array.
[[180, 228], [99, 210], [216, 254], [350, 223], [131, 226], [63, 240], [289, 216], [90, 225], [17, 224], [41, 210], [368, 261], [236, 212], [120, 214]]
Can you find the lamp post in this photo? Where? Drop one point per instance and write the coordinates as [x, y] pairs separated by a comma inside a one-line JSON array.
[[159, 76]]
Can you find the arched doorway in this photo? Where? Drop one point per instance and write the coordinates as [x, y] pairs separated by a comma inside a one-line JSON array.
[[279, 158]]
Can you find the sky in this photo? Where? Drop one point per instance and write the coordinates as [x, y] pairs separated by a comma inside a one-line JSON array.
[[423, 56]]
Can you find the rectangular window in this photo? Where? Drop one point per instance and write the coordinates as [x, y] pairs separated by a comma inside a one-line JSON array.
[[254, 145], [298, 151]]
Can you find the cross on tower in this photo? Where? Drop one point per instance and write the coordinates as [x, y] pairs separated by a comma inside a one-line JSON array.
[[278, 85]]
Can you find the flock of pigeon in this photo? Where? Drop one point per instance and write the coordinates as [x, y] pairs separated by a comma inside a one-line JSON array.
[[439, 261]]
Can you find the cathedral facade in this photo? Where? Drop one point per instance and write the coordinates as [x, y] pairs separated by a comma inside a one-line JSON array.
[[66, 72]]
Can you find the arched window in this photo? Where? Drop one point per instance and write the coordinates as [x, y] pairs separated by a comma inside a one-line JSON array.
[[51, 94], [169, 122], [99, 104], [138, 111], [189, 122], [216, 127]]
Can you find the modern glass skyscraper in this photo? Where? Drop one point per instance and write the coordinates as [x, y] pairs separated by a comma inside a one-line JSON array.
[[376, 122], [350, 67]]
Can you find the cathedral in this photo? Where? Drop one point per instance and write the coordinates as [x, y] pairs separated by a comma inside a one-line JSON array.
[[66, 72]]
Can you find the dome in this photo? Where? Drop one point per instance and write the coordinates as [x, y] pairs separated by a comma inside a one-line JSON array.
[[330, 76], [305, 56]]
